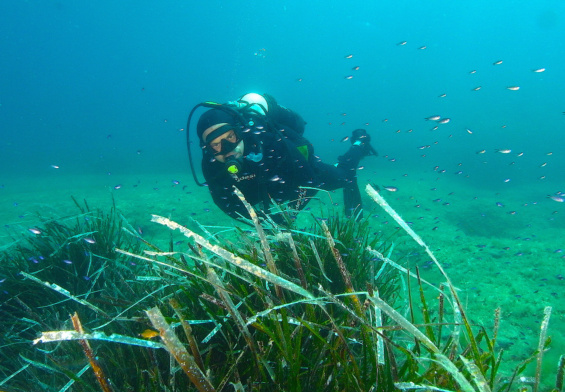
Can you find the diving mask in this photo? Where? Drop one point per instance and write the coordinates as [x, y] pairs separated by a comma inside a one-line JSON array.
[[229, 150]]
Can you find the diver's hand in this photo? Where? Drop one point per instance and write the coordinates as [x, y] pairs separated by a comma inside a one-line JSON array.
[[361, 138]]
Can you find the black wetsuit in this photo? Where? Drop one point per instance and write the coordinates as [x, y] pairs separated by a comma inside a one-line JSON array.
[[277, 161]]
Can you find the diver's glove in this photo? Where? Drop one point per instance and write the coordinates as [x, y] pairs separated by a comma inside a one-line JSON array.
[[361, 138]]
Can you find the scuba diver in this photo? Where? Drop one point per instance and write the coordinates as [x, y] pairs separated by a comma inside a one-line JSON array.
[[258, 146]]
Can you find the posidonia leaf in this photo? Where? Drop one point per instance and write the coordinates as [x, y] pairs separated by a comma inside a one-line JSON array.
[[233, 259], [57, 336]]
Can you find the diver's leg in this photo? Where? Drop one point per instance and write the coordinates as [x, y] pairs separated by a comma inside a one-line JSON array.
[[352, 200], [350, 160], [342, 176], [348, 164]]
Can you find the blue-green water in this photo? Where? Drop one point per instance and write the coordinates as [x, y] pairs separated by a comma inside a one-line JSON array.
[[94, 97]]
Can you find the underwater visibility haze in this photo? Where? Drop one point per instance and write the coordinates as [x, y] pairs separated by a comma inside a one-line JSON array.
[[463, 101]]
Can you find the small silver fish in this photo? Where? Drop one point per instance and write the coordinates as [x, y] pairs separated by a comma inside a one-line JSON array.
[[497, 62], [390, 188], [513, 88], [503, 151], [444, 121], [433, 118]]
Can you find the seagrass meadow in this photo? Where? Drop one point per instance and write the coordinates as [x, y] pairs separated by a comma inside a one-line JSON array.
[[91, 303]]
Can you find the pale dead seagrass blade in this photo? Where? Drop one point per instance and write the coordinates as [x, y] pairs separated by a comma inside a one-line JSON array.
[[179, 352], [541, 345], [57, 336], [439, 357], [259, 229], [233, 259]]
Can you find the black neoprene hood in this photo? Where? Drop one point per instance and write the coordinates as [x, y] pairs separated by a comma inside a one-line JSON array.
[[210, 118]]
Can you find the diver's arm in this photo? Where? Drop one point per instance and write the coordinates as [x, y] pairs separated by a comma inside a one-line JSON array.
[[222, 191], [228, 202]]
